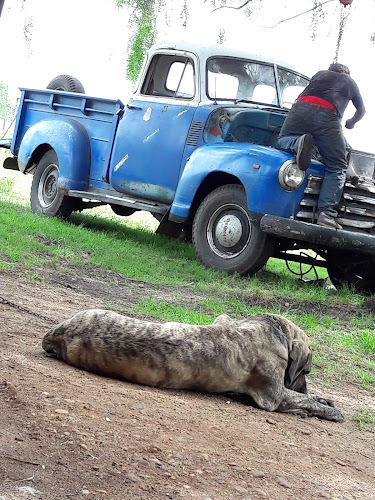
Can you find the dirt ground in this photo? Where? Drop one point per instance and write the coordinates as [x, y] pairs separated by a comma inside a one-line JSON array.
[[65, 433]]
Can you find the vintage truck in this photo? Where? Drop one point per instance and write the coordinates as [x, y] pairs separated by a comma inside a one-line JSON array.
[[195, 146]]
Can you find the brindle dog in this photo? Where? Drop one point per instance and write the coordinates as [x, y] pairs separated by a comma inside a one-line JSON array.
[[265, 356]]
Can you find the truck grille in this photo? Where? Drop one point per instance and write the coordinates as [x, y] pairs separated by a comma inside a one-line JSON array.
[[356, 208]]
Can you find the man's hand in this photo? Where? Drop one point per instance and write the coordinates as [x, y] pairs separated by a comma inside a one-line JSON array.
[[357, 116], [350, 123]]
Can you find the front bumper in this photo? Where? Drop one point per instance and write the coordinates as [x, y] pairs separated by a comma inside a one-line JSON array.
[[318, 235]]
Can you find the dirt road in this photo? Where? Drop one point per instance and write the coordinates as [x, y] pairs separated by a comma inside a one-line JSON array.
[[65, 433]]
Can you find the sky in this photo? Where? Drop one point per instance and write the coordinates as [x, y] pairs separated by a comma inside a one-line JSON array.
[[89, 38]]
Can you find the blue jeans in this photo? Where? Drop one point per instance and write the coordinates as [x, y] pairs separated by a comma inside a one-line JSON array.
[[324, 124]]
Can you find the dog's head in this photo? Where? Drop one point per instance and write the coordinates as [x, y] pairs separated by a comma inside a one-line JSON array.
[[299, 365], [54, 344], [299, 355]]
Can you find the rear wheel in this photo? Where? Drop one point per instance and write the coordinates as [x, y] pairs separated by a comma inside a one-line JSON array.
[[45, 198], [357, 270], [224, 236]]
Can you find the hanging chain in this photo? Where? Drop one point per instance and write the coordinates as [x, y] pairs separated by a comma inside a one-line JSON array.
[[345, 11]]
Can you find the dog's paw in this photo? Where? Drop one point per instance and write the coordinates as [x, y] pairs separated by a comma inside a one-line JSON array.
[[335, 415], [328, 410], [323, 401]]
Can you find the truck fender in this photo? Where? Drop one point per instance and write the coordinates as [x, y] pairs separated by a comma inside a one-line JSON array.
[[247, 164], [71, 143]]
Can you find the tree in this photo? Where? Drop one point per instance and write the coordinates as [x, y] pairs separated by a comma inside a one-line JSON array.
[[144, 19], [145, 13], [7, 109]]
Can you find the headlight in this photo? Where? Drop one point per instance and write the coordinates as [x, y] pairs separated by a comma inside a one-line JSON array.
[[290, 176]]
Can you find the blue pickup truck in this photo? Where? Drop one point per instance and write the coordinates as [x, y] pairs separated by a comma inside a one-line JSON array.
[[194, 146]]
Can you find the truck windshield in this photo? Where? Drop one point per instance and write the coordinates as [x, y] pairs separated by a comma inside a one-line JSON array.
[[291, 85], [244, 80]]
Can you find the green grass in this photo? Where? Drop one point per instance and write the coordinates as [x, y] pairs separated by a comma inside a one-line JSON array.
[[365, 419], [132, 248], [344, 348], [6, 186]]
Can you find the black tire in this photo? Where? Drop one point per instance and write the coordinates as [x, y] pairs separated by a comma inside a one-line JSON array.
[[44, 196], [123, 211], [66, 83], [158, 217], [356, 270], [223, 212]]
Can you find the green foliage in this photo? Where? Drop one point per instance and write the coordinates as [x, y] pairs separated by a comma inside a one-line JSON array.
[[143, 19], [144, 15], [364, 417], [317, 17], [168, 312], [221, 37], [140, 43], [6, 186], [184, 14], [7, 109]]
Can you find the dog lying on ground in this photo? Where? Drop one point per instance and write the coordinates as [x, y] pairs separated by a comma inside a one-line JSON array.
[[265, 356]]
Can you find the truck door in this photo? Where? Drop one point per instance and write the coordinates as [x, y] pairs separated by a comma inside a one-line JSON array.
[[151, 136]]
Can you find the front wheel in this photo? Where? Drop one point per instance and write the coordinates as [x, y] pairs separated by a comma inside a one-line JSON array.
[[356, 270], [45, 198], [224, 237]]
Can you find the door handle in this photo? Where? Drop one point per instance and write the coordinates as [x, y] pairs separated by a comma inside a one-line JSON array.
[[133, 106]]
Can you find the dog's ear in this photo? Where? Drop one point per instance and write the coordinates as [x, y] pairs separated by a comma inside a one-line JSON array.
[[223, 319], [299, 364]]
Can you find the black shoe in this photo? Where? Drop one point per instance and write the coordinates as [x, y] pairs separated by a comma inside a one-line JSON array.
[[327, 221], [305, 148]]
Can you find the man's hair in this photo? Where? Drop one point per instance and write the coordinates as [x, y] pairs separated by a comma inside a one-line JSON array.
[[339, 68]]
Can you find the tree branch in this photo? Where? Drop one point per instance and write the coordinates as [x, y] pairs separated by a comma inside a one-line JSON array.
[[230, 7], [298, 15]]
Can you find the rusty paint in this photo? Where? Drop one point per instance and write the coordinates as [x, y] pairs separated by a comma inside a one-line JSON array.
[[120, 163], [147, 115], [151, 135], [180, 114], [147, 190]]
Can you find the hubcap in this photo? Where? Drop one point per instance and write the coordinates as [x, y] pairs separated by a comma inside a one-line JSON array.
[[229, 231], [47, 189]]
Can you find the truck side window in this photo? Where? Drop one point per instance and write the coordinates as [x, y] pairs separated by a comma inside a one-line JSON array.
[[180, 79], [170, 76]]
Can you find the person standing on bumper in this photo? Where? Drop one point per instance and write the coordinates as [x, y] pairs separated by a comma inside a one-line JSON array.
[[315, 119]]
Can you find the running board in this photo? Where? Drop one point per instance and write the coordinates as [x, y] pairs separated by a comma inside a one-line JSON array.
[[102, 195]]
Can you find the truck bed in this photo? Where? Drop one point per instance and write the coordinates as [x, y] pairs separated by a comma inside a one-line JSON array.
[[98, 116]]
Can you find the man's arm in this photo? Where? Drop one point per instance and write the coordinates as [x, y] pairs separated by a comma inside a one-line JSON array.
[[358, 115]]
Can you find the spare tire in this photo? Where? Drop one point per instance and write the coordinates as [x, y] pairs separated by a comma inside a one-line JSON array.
[[66, 83]]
